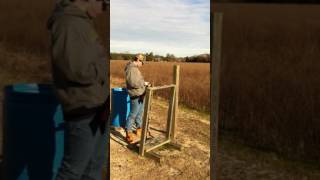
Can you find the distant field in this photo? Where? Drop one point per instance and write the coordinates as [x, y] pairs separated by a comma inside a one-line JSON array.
[[24, 25], [270, 93], [194, 80]]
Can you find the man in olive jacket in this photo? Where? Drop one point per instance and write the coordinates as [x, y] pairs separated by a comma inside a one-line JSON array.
[[81, 81]]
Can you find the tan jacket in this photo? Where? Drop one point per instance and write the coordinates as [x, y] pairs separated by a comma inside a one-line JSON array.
[[134, 80]]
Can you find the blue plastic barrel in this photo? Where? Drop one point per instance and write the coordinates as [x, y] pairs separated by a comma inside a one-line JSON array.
[[33, 132], [120, 106]]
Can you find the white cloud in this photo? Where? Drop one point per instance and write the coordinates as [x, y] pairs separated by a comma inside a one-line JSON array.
[[179, 27]]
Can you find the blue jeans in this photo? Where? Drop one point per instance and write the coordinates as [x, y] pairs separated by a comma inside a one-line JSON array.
[[135, 115], [85, 151]]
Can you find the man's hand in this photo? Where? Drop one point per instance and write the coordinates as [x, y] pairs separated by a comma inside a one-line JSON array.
[[147, 84]]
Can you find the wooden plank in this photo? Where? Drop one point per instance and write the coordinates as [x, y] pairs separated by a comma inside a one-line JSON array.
[[216, 38], [170, 114], [162, 87], [158, 158], [158, 145], [150, 102], [145, 122], [175, 145], [176, 81]]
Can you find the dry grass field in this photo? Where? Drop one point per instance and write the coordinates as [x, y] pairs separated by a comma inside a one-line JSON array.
[[270, 93], [25, 25], [194, 80]]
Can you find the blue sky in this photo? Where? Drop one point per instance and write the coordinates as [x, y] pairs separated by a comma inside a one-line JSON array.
[[179, 27]]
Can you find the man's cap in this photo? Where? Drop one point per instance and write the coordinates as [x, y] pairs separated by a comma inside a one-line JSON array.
[[139, 57]]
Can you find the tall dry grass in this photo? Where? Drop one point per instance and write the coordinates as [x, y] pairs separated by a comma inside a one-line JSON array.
[[22, 67], [25, 40], [194, 89], [24, 25], [270, 93]]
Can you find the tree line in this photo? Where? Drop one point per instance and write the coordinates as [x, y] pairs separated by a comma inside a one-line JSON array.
[[157, 58]]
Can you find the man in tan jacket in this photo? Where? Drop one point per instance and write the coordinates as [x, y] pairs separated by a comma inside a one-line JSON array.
[[136, 89]]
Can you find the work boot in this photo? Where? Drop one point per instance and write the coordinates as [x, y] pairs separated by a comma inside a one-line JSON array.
[[130, 137], [138, 132]]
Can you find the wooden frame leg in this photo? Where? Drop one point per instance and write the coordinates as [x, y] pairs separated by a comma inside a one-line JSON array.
[[145, 122]]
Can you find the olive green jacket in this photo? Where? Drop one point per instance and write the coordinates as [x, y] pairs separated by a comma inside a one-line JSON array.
[[79, 62]]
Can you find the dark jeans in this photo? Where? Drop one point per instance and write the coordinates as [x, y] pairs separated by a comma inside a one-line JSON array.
[[85, 151]]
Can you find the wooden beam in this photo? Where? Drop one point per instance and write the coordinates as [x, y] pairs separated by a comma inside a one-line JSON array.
[[162, 87], [158, 145], [145, 121], [158, 158], [176, 81], [170, 114], [175, 145], [216, 38], [149, 109]]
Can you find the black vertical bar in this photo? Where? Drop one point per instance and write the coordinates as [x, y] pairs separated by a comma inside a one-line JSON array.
[[108, 81]]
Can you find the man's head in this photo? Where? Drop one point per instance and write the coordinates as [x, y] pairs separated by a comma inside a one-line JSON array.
[[92, 7], [138, 59]]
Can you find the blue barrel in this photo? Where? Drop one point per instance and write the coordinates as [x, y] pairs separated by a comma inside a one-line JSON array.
[[120, 107], [33, 132]]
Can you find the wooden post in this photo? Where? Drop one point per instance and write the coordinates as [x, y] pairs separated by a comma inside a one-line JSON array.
[[170, 113], [158, 145], [176, 81], [216, 38], [145, 121]]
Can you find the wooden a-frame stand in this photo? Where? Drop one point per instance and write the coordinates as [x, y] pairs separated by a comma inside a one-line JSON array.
[[145, 149]]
